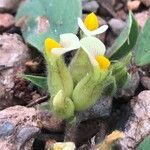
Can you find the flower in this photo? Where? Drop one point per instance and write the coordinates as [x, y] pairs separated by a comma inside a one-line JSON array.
[[64, 146], [68, 42], [95, 49], [90, 26]]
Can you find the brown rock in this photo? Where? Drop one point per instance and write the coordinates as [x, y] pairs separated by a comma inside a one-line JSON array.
[[138, 125], [142, 18], [9, 5], [13, 55], [6, 21], [146, 2], [133, 5], [19, 125]]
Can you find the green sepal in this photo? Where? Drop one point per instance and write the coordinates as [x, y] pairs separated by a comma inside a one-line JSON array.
[[120, 72], [88, 90], [59, 77], [79, 66], [62, 106], [110, 86]]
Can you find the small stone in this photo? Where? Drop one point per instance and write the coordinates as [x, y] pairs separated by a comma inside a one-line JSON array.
[[91, 6], [19, 126], [137, 126], [116, 25], [133, 5], [9, 5], [146, 82], [142, 18], [146, 2], [13, 55], [24, 134], [6, 21], [6, 129]]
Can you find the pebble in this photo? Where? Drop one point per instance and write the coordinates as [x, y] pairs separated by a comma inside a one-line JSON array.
[[133, 5], [116, 25], [9, 5], [6, 21], [137, 126], [146, 2], [6, 129], [91, 6], [13, 55]]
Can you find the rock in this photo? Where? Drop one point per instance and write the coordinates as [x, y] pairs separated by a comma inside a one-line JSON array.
[[101, 109], [133, 5], [91, 6], [19, 125], [146, 2], [146, 82], [6, 21], [116, 25], [9, 5], [142, 18], [81, 133], [13, 55], [129, 90], [137, 126]]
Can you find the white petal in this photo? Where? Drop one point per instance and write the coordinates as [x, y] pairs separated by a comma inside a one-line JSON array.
[[69, 42], [83, 27], [60, 51], [99, 30], [93, 47]]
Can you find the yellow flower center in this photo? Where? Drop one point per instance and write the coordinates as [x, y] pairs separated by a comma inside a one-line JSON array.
[[91, 22], [50, 44], [103, 62]]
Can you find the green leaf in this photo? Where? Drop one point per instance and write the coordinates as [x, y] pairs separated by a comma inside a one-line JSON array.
[[47, 18], [145, 144], [126, 41], [37, 80], [142, 50]]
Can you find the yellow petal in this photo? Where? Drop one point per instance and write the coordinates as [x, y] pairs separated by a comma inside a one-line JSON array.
[[91, 22], [50, 44], [103, 62]]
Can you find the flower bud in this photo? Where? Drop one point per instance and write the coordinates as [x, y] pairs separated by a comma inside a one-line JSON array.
[[63, 106]]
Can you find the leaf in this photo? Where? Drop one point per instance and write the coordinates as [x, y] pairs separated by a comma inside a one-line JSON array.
[[142, 49], [145, 144], [37, 80], [126, 41], [47, 18]]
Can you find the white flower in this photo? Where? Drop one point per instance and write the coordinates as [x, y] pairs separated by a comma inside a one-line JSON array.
[[90, 26], [95, 50], [68, 42]]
